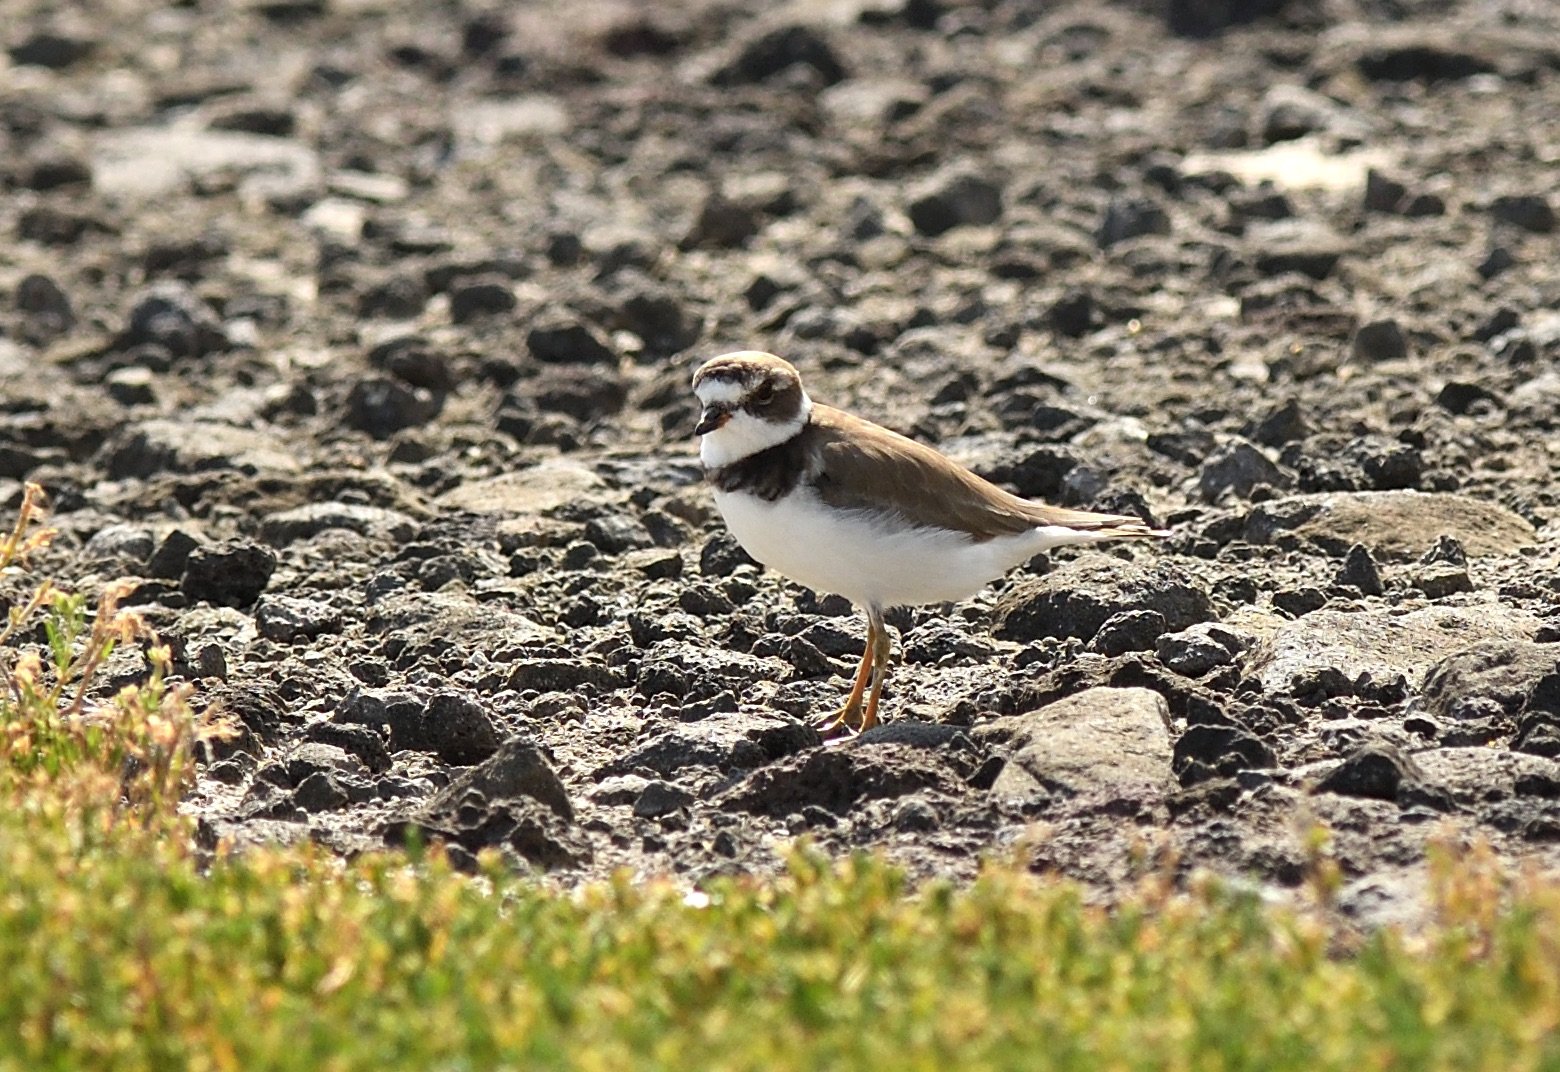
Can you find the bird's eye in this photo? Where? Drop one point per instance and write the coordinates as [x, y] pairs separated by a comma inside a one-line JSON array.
[[765, 394]]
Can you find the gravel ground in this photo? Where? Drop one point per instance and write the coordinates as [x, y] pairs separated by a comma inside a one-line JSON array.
[[357, 333]]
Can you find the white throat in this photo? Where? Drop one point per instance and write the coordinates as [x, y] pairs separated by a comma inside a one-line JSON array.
[[744, 435]]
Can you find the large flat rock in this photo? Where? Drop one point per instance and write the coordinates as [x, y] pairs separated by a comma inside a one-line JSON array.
[[1382, 641], [1392, 523], [180, 446], [1101, 741], [156, 161], [527, 491]]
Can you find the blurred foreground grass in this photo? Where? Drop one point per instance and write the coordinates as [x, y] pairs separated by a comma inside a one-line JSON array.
[[121, 947]]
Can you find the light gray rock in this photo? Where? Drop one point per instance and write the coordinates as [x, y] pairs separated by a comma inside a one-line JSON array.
[[1391, 523], [482, 127], [150, 162], [526, 491], [310, 519], [1382, 642], [1487, 678], [1477, 776], [158, 446], [285, 619], [1101, 741]]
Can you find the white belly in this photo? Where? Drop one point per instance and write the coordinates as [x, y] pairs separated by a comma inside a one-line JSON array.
[[869, 561]]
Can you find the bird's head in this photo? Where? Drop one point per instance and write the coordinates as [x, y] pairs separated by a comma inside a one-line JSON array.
[[751, 401]]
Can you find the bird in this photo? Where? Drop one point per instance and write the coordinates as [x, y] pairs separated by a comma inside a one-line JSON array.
[[845, 506]]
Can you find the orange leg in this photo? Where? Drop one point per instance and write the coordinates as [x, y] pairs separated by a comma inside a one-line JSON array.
[[874, 660], [880, 652], [848, 717]]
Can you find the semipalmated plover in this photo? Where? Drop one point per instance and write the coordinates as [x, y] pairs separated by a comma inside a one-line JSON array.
[[842, 505]]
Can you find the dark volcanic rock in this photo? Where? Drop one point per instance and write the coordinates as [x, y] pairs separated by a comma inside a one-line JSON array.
[[1426, 53], [1531, 212], [382, 406], [513, 801], [53, 48], [1239, 468], [397, 296], [781, 49], [1459, 396], [1380, 340], [1360, 571], [1204, 752], [452, 725], [722, 223], [659, 799], [481, 296], [517, 770], [1131, 630], [1282, 424], [570, 342], [552, 675], [658, 316], [1127, 218], [1195, 651], [458, 728], [1079, 597], [361, 741], [45, 304], [586, 394], [285, 619], [1206, 18], [169, 316], [725, 743], [836, 780], [321, 792], [693, 672], [171, 555], [958, 198], [231, 574], [1375, 770], [721, 555], [1300, 246], [1074, 314], [122, 543]]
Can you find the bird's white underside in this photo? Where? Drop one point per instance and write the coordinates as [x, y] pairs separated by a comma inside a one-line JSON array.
[[872, 560]]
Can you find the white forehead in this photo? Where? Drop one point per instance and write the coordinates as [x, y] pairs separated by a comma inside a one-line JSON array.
[[717, 390]]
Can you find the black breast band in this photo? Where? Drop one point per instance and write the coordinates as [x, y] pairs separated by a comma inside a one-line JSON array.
[[768, 474]]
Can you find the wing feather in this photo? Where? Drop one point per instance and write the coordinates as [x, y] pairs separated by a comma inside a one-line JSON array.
[[858, 465]]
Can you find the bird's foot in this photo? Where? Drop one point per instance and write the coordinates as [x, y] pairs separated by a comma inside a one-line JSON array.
[[846, 722], [849, 721]]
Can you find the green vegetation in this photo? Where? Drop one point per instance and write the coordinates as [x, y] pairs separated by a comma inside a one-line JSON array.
[[122, 947]]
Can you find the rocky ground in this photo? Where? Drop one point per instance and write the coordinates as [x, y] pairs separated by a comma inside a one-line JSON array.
[[357, 334]]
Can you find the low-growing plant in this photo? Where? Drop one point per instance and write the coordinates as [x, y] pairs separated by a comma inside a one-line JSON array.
[[130, 751]]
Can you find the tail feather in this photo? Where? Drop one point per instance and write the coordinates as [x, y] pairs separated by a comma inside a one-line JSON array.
[[1097, 526]]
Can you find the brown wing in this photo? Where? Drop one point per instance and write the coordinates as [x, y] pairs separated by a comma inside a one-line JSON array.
[[856, 464]]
